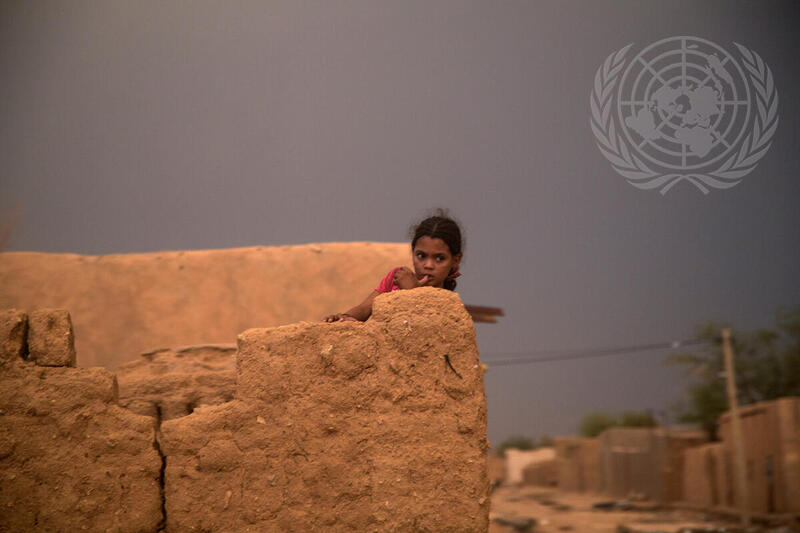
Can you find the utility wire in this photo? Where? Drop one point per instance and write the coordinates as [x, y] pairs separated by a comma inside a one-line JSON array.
[[524, 358]]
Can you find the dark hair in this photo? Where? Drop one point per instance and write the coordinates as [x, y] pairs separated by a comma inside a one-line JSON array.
[[440, 226]]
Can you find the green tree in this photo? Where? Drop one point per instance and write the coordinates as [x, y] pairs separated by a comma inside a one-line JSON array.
[[637, 419], [546, 441], [594, 423], [766, 363], [518, 442]]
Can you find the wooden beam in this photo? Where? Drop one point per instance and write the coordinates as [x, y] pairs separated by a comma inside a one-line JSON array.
[[483, 318], [481, 309], [480, 313]]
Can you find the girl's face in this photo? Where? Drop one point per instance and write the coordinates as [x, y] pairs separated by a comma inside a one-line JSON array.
[[433, 261]]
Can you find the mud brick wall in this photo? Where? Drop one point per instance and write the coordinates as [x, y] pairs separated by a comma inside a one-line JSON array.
[[127, 304], [171, 383], [578, 464], [542, 474], [788, 465], [771, 439], [376, 426], [672, 468], [71, 459], [704, 476], [518, 460]]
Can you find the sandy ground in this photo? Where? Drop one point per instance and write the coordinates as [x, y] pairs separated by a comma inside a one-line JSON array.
[[556, 511]]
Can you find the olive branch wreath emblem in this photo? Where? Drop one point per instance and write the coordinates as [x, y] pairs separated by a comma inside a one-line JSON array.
[[728, 174]]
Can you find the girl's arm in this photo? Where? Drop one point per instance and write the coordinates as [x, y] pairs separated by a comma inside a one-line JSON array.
[[360, 312]]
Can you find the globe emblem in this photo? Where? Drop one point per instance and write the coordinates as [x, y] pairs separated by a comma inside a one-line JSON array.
[[684, 103], [684, 110]]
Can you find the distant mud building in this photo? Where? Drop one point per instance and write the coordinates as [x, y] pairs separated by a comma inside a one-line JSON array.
[[669, 465], [771, 435]]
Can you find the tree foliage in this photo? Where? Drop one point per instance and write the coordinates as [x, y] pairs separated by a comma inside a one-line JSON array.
[[517, 442], [766, 364], [546, 441], [594, 423], [637, 419]]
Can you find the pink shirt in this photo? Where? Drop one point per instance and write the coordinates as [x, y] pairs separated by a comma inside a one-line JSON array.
[[387, 283]]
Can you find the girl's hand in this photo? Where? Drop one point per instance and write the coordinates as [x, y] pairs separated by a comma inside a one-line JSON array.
[[339, 317], [406, 279]]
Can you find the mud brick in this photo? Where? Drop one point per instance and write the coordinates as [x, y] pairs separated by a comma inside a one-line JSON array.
[[13, 334], [51, 341]]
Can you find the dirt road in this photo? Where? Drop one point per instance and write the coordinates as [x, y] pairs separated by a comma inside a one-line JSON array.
[[555, 511]]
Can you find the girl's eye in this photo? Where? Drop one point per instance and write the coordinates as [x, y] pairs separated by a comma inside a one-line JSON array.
[[440, 258], [420, 255]]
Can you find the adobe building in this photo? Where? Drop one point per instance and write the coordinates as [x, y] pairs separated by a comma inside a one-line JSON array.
[[518, 460], [644, 461], [771, 435], [577, 464], [541, 474], [707, 480]]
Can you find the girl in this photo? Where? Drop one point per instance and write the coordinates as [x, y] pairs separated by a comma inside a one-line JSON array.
[[436, 250]]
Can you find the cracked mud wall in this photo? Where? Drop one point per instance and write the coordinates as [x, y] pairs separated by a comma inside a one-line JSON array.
[[127, 304], [376, 426]]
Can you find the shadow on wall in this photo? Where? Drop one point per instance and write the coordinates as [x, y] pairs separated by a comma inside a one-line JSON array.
[[344, 426], [172, 383]]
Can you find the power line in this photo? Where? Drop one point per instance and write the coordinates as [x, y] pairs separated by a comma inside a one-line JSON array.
[[524, 358]]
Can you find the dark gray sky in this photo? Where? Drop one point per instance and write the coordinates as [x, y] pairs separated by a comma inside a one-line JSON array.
[[144, 126]]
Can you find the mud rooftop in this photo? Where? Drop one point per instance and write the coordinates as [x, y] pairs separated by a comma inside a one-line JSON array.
[[376, 426]]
